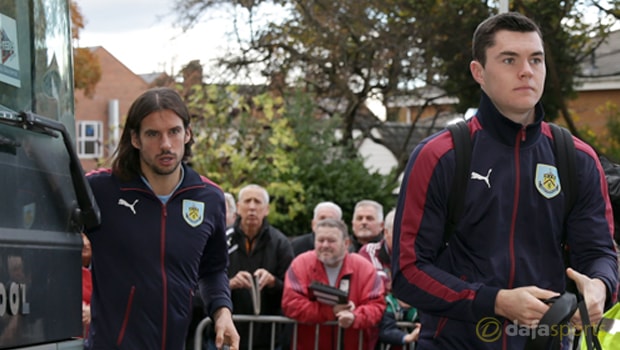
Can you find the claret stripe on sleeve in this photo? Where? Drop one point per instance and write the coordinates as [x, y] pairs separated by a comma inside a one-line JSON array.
[[583, 147], [99, 171], [418, 179], [208, 181]]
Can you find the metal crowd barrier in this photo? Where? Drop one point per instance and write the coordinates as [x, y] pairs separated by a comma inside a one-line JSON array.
[[274, 320]]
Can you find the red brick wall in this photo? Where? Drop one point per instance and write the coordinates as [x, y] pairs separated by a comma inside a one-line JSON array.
[[117, 82], [585, 112]]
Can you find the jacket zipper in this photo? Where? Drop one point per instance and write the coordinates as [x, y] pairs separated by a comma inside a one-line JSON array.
[[164, 276], [515, 204], [515, 208], [162, 267]]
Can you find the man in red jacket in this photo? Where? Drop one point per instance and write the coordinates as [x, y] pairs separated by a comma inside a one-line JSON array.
[[331, 264]]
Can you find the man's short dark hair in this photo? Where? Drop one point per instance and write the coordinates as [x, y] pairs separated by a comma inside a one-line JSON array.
[[333, 223], [484, 36]]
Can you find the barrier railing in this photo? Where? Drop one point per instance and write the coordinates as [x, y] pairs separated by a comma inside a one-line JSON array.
[[275, 320]]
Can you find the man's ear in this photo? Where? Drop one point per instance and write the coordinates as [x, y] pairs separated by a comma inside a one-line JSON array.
[[135, 140], [188, 134], [477, 71]]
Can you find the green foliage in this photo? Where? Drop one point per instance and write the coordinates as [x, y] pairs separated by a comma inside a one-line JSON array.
[[280, 144], [327, 174], [568, 41], [351, 50], [448, 51], [241, 140], [608, 141], [345, 52], [567, 35]]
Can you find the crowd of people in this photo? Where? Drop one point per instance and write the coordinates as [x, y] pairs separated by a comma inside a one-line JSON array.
[[281, 269], [174, 248]]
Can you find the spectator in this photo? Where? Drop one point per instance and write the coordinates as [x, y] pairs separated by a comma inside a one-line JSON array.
[[323, 210], [331, 264], [380, 255], [367, 223], [257, 250], [162, 234], [231, 209], [87, 283], [504, 257]]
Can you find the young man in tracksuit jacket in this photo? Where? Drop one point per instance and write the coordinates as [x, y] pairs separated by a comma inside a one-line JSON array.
[[162, 234], [504, 257]]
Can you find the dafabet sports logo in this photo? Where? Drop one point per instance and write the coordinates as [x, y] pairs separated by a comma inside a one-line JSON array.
[[489, 329]]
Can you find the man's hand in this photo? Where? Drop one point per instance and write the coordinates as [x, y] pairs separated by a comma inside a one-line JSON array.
[[345, 318], [225, 331], [594, 294], [523, 305], [344, 314], [85, 313], [265, 278], [414, 334], [242, 279], [350, 306]]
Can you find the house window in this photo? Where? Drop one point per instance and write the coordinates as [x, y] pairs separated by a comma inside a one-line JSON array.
[[90, 139]]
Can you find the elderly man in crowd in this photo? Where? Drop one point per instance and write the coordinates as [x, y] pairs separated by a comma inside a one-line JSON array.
[[259, 256]]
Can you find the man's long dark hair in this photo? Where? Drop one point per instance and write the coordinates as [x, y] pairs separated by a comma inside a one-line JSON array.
[[126, 163]]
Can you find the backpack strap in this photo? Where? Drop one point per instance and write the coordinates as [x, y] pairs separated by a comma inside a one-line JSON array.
[[564, 149], [565, 155], [566, 161], [590, 338], [462, 153]]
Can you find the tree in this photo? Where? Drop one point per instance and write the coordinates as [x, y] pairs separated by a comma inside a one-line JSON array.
[[86, 67], [344, 51], [609, 7], [326, 173], [568, 42], [350, 50], [257, 137], [568, 39]]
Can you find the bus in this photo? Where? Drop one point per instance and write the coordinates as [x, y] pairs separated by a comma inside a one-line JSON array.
[[45, 200]]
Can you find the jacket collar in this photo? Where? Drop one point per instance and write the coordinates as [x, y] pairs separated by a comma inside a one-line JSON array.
[[356, 245], [190, 178], [346, 268], [505, 130], [261, 231], [384, 254]]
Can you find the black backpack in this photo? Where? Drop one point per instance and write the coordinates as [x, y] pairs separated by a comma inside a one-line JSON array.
[[565, 153], [612, 175]]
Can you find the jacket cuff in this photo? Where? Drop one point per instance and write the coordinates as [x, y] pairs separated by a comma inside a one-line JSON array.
[[484, 302], [216, 304]]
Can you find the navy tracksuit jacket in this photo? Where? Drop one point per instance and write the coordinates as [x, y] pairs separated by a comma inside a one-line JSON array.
[[508, 237]]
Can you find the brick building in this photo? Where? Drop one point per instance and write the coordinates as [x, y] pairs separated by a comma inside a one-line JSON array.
[[598, 85], [98, 119]]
